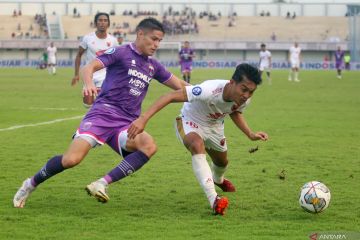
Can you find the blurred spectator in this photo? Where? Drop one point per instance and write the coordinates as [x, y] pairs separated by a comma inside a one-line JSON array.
[[14, 13], [20, 13], [268, 14], [294, 16], [74, 12], [288, 15], [112, 12], [273, 37]]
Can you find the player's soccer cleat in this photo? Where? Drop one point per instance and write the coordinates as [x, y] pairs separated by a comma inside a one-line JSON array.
[[297, 80], [98, 190], [220, 205], [23, 193], [226, 186]]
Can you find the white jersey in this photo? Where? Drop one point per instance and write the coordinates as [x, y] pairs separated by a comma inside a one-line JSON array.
[[94, 47], [295, 53], [265, 57], [206, 105], [51, 54]]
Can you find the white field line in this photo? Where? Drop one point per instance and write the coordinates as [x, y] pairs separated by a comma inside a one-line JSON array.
[[40, 123]]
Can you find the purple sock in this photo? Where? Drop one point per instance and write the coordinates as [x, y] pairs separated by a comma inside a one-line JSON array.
[[129, 165], [51, 168]]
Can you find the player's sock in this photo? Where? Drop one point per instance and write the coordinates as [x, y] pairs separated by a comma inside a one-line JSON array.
[[218, 173], [51, 168], [203, 174], [53, 70], [49, 70], [290, 75], [129, 165], [296, 76]]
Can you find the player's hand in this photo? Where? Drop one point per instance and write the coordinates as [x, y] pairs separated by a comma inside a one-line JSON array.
[[75, 80], [259, 136], [90, 90], [136, 127]]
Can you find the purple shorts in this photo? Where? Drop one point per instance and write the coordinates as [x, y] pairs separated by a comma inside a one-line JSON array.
[[339, 65], [186, 66], [104, 124]]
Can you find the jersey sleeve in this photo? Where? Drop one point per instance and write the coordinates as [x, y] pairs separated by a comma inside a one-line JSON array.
[[110, 56], [199, 92], [161, 73], [83, 43]]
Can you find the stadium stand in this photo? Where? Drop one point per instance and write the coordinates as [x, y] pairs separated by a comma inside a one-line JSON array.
[[329, 29]]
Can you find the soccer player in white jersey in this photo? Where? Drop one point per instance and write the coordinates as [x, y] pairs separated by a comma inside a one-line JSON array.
[[265, 62], [51, 51], [95, 44], [295, 61], [201, 126]]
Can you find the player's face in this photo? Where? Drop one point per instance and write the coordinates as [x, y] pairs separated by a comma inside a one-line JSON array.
[[186, 45], [242, 91], [149, 41], [102, 23]]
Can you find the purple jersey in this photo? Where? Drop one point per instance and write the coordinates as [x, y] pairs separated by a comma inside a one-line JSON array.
[[127, 79], [339, 56], [186, 55], [119, 103]]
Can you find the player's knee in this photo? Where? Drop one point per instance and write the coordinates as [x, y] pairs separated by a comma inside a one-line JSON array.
[[196, 147], [70, 160], [148, 146]]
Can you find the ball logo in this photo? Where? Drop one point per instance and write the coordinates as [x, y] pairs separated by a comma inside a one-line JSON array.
[[196, 91], [110, 51]]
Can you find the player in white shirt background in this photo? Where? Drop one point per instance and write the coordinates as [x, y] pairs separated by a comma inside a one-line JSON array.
[[201, 126], [51, 51], [95, 44], [265, 62], [295, 61]]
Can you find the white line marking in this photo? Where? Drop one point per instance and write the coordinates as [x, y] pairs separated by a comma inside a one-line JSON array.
[[39, 124]]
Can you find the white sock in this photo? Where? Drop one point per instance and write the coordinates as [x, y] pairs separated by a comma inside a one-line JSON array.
[[218, 173], [296, 75], [290, 74], [49, 70], [53, 70], [203, 174]]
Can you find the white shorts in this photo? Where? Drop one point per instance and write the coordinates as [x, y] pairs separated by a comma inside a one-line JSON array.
[[213, 136], [295, 63], [98, 82], [264, 67], [52, 60]]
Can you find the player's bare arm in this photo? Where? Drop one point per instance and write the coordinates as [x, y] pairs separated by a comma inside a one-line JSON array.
[[87, 76], [139, 124], [176, 83], [77, 66], [241, 123]]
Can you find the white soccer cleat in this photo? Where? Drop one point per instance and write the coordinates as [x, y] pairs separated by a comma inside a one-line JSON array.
[[23, 193], [297, 80], [98, 189]]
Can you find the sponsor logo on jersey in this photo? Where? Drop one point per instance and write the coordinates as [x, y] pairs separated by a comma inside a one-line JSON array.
[[196, 91], [140, 75], [151, 70], [110, 51], [216, 91], [133, 63]]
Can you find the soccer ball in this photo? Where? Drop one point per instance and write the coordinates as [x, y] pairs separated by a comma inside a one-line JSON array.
[[314, 197]]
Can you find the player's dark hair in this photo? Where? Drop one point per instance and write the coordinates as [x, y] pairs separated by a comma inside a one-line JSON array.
[[263, 45], [246, 71], [150, 24], [101, 14]]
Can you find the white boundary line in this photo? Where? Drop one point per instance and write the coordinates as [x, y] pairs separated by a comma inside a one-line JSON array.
[[40, 123]]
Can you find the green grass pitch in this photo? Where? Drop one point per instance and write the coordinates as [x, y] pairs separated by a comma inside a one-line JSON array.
[[314, 135]]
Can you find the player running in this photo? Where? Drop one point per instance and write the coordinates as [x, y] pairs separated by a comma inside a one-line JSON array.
[[265, 62], [51, 64], [339, 61], [295, 60], [130, 69], [201, 126], [186, 55], [95, 44]]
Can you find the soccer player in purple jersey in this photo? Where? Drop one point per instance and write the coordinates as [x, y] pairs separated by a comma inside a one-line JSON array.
[[339, 61], [186, 55], [130, 69]]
